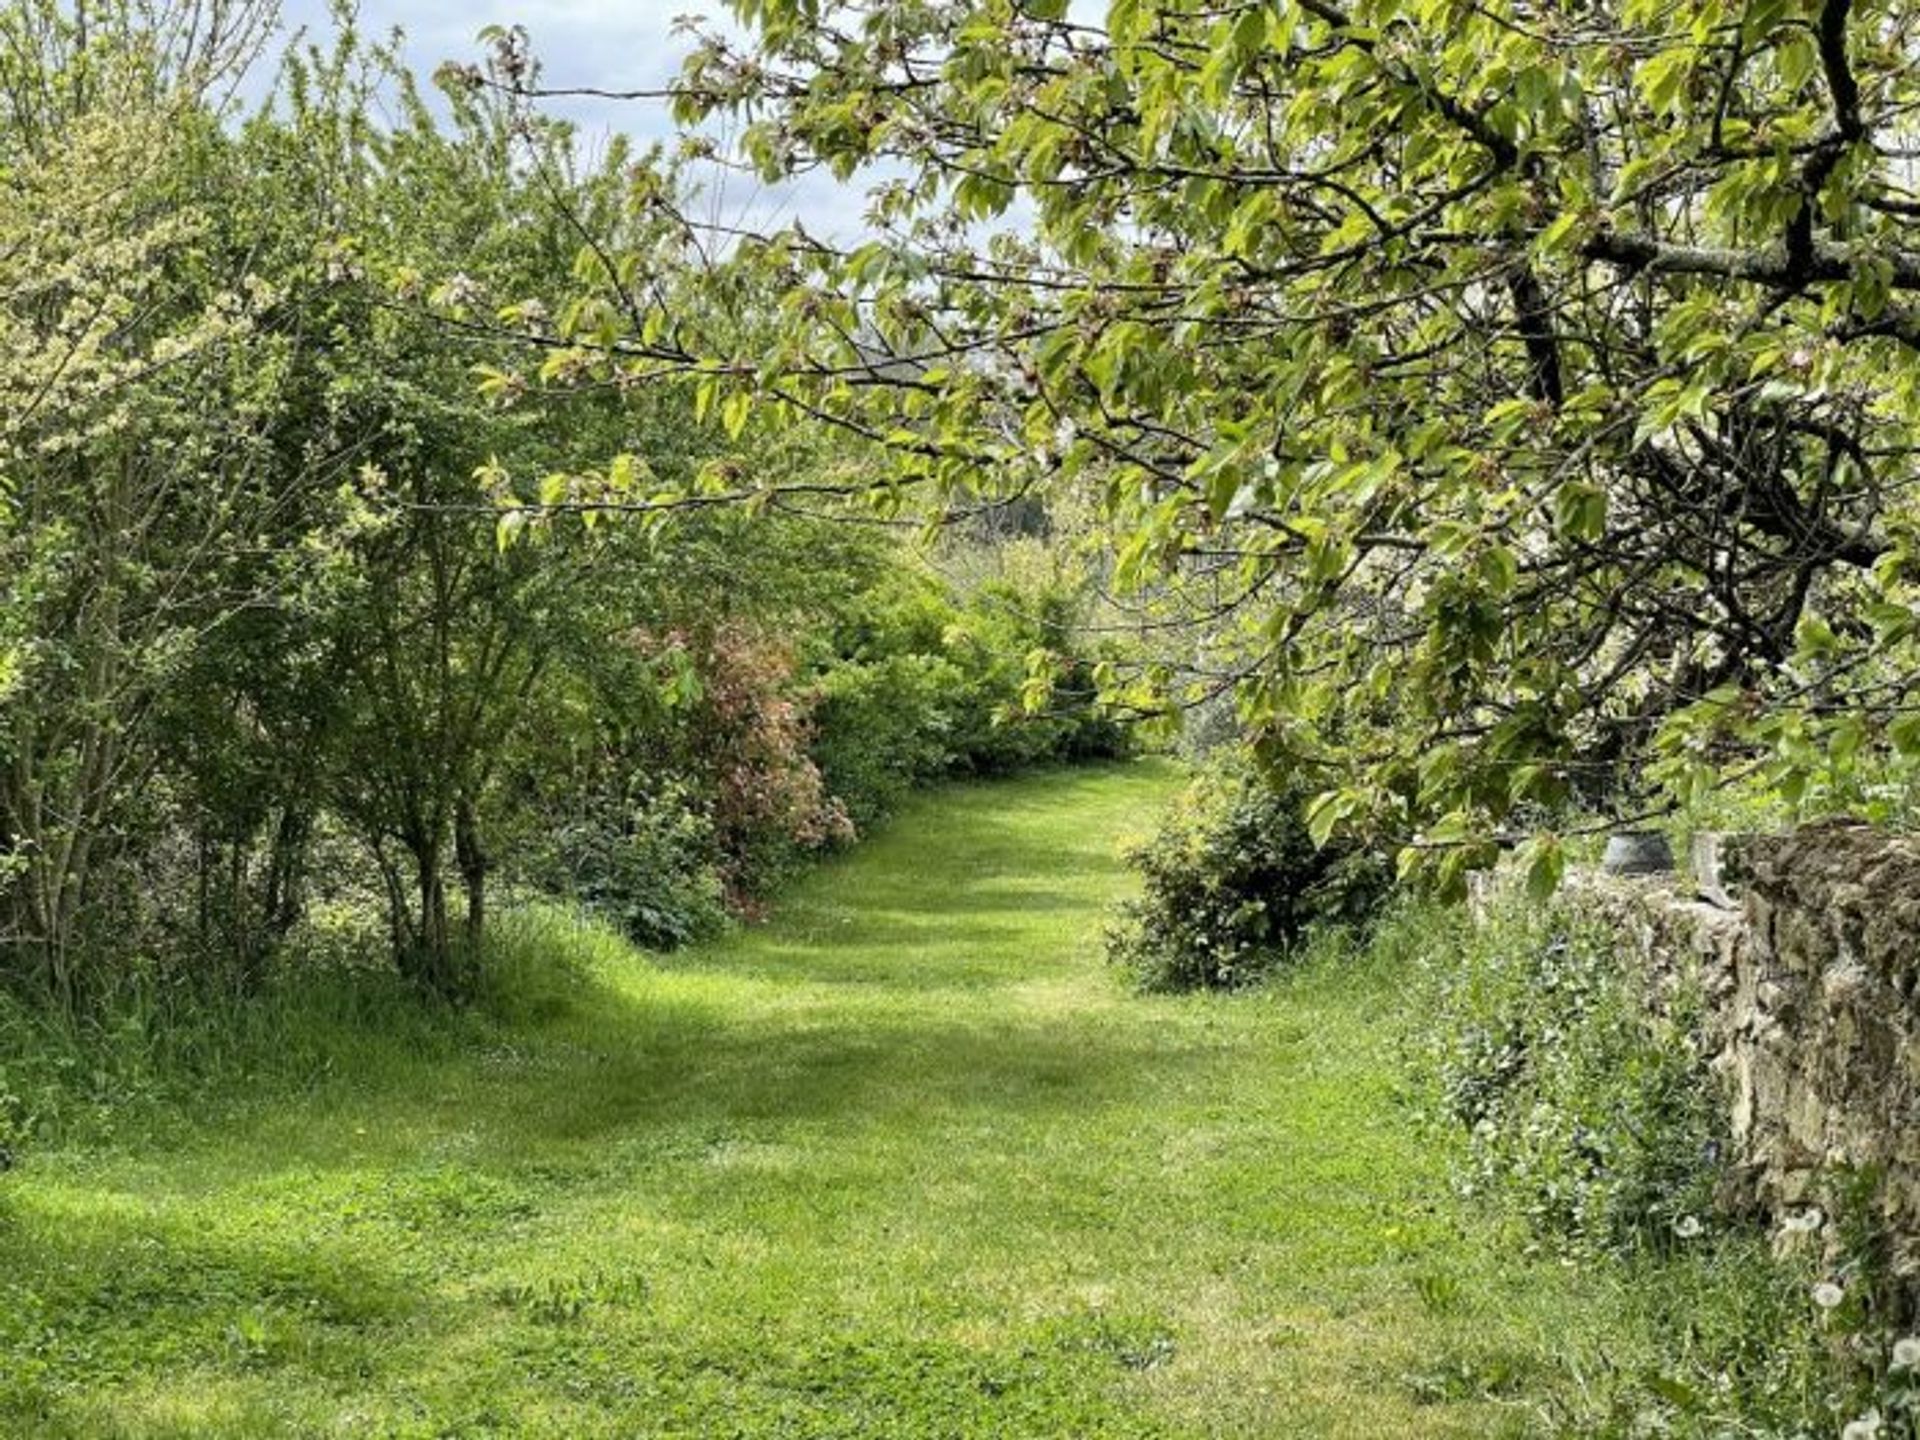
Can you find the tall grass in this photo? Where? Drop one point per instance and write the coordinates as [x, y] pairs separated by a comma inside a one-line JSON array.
[[168, 1044]]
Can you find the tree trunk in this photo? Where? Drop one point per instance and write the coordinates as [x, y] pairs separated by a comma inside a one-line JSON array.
[[428, 959], [398, 921], [285, 900], [472, 858]]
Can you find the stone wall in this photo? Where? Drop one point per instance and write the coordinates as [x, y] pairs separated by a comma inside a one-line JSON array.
[[1811, 974]]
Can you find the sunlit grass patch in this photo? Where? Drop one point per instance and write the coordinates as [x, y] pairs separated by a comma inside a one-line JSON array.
[[907, 1161]]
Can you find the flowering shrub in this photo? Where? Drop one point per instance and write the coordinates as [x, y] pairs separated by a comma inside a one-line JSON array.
[[1232, 883], [753, 732], [720, 755]]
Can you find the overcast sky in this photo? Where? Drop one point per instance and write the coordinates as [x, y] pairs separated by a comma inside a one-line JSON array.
[[600, 44]]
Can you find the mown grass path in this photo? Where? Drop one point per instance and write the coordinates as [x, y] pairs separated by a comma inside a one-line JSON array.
[[907, 1161]]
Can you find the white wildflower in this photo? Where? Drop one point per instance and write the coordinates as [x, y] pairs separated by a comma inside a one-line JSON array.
[[1867, 1427], [1828, 1295], [1806, 1222], [1688, 1227], [1906, 1353]]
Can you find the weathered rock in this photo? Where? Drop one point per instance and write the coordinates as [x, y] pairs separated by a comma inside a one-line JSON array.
[[1812, 1008], [1706, 860]]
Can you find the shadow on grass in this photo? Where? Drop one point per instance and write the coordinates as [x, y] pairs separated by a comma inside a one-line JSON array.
[[867, 1068], [308, 1206], [963, 894], [91, 1293], [636, 1079]]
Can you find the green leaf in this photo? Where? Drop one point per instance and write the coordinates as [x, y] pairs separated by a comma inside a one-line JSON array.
[[1546, 862], [508, 529], [1325, 812]]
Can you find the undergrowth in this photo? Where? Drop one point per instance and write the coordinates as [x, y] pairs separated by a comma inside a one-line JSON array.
[[160, 1048], [1587, 1113]]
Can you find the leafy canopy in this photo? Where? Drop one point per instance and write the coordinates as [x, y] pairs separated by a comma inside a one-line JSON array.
[[1507, 395]]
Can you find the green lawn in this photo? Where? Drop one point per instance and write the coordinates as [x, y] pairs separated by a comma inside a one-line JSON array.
[[906, 1161]]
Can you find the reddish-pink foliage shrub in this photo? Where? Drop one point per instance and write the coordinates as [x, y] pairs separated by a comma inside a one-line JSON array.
[[747, 731]]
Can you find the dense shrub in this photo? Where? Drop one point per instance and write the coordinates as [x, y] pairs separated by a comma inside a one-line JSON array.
[[1005, 623], [1232, 883], [646, 863], [882, 727], [924, 683], [693, 766]]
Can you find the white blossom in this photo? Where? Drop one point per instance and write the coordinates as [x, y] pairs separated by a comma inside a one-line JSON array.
[[461, 289], [1806, 1222]]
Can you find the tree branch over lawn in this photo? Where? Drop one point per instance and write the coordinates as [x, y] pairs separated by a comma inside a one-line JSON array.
[[1542, 371]]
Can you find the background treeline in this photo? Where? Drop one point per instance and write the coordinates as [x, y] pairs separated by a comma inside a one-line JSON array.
[[269, 679]]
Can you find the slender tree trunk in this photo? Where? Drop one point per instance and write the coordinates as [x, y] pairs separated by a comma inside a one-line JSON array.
[[399, 914], [429, 959], [285, 900], [472, 858], [203, 876]]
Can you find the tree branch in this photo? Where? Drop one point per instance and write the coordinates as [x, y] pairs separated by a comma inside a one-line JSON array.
[[1823, 263]]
